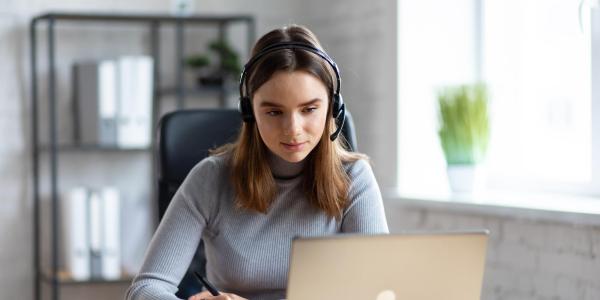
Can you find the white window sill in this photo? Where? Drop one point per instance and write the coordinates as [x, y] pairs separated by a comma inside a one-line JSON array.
[[577, 210]]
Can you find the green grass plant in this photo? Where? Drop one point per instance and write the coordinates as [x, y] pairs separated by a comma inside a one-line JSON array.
[[464, 123]]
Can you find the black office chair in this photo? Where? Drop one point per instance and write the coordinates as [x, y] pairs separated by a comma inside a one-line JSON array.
[[184, 139]]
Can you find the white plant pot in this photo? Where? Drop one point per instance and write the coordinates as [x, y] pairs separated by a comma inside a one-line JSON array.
[[464, 179]]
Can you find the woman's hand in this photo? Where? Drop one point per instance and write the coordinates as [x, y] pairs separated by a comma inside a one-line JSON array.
[[224, 296]]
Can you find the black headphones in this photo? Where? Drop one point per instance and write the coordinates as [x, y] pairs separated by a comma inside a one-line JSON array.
[[338, 107]]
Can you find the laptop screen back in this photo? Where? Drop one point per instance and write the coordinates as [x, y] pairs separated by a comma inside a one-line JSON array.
[[418, 266]]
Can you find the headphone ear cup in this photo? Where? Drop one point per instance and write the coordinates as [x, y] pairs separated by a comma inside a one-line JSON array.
[[245, 108], [339, 115], [340, 119], [338, 105]]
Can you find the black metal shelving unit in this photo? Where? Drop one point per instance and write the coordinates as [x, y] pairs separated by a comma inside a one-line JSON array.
[[55, 278]]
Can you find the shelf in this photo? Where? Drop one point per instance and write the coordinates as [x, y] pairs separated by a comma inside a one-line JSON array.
[[65, 278], [154, 23], [200, 91], [141, 17]]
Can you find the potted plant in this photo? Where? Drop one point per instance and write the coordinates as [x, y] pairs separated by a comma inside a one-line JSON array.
[[226, 69], [230, 60], [464, 132], [200, 65]]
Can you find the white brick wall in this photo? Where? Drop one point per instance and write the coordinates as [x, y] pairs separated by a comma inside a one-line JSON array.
[[527, 258]]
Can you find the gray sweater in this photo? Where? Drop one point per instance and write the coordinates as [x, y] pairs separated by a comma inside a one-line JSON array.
[[247, 252]]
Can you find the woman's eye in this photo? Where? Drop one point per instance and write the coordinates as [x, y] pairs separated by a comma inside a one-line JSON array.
[[273, 113], [310, 109]]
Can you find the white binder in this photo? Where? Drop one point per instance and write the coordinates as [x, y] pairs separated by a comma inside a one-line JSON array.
[[135, 80], [111, 242], [95, 231], [75, 228]]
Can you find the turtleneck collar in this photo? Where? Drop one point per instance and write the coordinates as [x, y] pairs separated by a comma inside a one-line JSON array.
[[283, 169]]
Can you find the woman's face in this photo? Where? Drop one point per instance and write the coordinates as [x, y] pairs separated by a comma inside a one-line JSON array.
[[290, 111]]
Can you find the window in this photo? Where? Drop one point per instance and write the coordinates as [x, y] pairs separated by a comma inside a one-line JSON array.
[[539, 60]]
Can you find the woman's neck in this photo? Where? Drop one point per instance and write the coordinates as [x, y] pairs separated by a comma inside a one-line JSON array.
[[283, 169]]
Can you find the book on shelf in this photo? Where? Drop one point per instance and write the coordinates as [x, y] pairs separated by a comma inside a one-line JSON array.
[[92, 233], [114, 102]]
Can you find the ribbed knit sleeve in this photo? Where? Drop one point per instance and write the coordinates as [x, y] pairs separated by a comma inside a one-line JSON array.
[[364, 212], [175, 241]]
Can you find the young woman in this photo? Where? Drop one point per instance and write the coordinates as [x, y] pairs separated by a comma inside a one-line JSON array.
[[288, 174]]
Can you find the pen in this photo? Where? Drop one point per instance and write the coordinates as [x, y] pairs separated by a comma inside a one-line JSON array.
[[213, 291]]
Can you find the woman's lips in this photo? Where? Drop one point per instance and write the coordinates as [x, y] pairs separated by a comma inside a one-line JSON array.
[[294, 146]]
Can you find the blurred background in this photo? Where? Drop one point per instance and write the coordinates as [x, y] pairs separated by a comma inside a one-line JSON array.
[[475, 114]]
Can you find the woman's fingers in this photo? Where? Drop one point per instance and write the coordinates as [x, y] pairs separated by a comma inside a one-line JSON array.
[[199, 296]]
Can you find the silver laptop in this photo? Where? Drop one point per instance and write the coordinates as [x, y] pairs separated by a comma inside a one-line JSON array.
[[414, 266]]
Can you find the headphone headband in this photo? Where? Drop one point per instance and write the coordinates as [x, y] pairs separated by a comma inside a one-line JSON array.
[[338, 107], [290, 45]]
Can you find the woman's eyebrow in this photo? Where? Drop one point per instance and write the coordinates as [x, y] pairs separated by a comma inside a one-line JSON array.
[[272, 104], [313, 101], [269, 104]]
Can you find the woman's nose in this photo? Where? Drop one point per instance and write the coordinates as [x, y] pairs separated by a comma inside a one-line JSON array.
[[292, 125]]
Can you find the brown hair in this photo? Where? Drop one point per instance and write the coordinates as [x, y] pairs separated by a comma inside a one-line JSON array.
[[325, 181]]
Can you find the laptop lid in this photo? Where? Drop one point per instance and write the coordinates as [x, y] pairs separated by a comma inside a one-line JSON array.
[[416, 266]]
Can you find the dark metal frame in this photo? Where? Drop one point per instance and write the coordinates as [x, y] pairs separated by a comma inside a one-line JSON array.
[[154, 21]]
